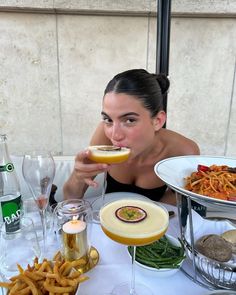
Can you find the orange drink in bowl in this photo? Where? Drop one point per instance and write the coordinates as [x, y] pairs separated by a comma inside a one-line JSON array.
[[108, 154], [134, 222]]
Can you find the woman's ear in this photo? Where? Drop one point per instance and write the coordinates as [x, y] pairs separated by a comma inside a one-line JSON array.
[[159, 120]]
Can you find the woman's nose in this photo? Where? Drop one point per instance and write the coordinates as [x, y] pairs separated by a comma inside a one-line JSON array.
[[117, 133]]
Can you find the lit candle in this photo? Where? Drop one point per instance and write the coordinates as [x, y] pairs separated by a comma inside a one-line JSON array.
[[74, 237], [74, 226]]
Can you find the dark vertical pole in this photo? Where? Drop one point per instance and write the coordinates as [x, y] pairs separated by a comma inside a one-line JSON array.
[[163, 39]]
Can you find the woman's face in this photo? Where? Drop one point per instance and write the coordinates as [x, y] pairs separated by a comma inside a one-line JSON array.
[[127, 123]]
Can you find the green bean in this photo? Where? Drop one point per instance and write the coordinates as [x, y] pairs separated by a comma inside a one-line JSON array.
[[158, 265], [160, 254]]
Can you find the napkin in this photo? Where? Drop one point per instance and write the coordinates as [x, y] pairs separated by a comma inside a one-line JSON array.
[[202, 226]]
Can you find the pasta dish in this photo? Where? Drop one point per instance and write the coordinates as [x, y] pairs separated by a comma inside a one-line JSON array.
[[214, 181]]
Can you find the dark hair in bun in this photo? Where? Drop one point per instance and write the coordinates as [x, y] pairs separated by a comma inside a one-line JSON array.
[[148, 88], [163, 82]]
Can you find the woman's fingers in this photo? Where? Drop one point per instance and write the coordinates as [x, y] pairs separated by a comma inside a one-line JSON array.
[[86, 170], [91, 182], [83, 164], [82, 155]]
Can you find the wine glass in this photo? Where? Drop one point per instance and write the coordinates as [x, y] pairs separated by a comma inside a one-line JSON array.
[[107, 154], [133, 222], [18, 248], [38, 171]]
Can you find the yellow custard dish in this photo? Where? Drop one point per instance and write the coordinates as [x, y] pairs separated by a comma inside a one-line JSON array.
[[108, 154], [134, 222]]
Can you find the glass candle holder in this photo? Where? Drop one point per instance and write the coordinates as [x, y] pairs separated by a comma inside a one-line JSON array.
[[73, 225]]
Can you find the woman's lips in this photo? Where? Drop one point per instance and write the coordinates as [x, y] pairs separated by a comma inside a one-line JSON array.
[[120, 145]]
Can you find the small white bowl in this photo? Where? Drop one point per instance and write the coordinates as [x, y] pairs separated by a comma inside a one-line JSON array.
[[162, 272]]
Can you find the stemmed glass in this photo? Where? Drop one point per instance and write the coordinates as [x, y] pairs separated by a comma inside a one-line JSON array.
[[38, 171], [107, 154], [133, 222], [18, 248]]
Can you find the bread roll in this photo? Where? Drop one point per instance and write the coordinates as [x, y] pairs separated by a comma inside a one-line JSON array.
[[214, 247], [230, 236]]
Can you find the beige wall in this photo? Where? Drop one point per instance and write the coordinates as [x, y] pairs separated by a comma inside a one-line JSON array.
[[57, 56]]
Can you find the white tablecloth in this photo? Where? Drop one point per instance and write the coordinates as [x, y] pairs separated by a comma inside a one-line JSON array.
[[114, 267]]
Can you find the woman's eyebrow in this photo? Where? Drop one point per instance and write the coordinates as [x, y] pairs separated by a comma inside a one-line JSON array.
[[104, 114], [123, 115]]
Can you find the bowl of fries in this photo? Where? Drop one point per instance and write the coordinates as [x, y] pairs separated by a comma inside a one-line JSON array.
[[46, 277]]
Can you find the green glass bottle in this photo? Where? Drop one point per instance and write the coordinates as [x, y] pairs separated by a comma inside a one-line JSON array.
[[10, 196]]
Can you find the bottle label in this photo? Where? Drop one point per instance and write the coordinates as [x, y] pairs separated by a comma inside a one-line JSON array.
[[11, 212], [9, 167]]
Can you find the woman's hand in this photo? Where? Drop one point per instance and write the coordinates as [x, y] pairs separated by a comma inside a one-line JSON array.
[[82, 176], [85, 170]]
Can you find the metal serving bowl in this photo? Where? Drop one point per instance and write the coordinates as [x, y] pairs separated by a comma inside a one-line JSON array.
[[218, 274]]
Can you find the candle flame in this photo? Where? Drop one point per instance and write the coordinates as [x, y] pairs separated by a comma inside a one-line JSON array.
[[75, 217]]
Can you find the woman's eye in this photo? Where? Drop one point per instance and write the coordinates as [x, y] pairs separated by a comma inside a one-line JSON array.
[[106, 120], [130, 120]]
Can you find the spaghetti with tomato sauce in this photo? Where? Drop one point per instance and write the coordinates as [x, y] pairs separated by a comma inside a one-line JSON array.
[[213, 181]]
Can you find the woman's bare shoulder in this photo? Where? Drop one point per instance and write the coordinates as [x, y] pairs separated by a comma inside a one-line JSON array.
[[99, 136], [179, 145]]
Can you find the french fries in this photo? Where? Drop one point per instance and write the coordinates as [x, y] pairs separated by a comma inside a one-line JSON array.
[[56, 277]]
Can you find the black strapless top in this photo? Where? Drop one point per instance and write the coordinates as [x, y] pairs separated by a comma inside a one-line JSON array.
[[154, 194]]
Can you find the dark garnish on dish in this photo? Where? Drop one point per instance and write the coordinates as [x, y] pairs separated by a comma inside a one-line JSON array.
[[108, 148], [131, 214]]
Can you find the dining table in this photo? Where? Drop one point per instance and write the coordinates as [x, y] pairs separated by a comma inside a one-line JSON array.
[[114, 267]]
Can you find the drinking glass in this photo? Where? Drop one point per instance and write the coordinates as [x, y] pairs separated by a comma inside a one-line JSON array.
[[133, 223], [107, 154], [30, 209], [73, 225], [20, 247], [38, 171]]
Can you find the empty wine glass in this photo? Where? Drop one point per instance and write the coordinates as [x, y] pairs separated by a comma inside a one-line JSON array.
[[39, 170]]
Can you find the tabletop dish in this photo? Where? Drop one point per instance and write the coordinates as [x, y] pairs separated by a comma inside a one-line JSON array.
[[63, 277], [219, 274], [3, 291], [161, 272], [174, 170]]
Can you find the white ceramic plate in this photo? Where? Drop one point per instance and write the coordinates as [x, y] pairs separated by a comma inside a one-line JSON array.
[[97, 204], [173, 171], [163, 272]]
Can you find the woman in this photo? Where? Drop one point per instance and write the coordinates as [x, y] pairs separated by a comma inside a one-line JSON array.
[[132, 116]]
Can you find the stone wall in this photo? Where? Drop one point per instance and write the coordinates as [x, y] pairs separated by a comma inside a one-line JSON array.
[[57, 56]]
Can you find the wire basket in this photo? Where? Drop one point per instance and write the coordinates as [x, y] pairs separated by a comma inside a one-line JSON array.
[[218, 274]]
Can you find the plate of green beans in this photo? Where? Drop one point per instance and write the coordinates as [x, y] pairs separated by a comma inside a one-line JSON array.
[[163, 257]]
